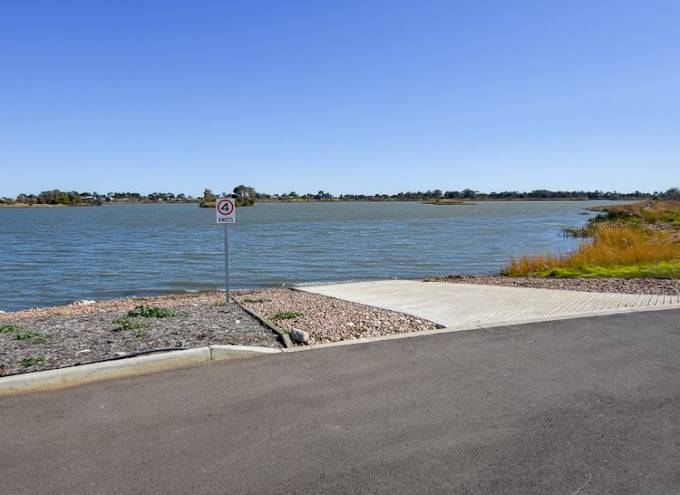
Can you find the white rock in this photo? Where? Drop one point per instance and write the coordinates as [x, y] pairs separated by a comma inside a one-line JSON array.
[[84, 351], [299, 336], [84, 302]]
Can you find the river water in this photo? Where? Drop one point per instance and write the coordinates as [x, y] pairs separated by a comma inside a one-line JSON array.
[[52, 256]]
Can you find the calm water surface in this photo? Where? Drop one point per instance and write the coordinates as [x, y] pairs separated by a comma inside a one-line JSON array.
[[57, 255]]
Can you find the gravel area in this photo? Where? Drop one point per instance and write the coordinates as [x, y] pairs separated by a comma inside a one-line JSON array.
[[79, 333], [84, 332], [48, 338], [327, 319], [669, 287]]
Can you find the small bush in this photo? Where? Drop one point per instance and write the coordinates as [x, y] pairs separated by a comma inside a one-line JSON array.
[[126, 323], [145, 311], [32, 361], [27, 335], [256, 301], [10, 328]]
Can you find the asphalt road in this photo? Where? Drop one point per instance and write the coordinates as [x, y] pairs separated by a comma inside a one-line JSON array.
[[587, 406]]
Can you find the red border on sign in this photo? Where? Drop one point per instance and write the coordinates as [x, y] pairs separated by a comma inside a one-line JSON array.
[[219, 207]]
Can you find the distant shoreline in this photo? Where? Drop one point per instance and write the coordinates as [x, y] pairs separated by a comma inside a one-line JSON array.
[[274, 201]]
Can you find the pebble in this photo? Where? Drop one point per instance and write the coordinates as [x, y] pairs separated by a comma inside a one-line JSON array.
[[299, 336]]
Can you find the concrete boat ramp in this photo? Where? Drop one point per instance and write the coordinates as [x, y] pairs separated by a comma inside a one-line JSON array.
[[465, 307]]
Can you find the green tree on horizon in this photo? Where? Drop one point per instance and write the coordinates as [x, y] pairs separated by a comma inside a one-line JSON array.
[[245, 195], [208, 199]]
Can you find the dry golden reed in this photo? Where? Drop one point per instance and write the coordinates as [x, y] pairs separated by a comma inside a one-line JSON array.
[[611, 245]]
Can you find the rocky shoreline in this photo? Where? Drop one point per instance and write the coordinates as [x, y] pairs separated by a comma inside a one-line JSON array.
[[90, 331]]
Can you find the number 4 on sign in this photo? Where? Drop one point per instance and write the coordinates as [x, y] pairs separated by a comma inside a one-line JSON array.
[[226, 211]]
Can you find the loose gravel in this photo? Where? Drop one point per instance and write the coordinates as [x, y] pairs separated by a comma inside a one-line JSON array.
[[327, 319], [48, 338]]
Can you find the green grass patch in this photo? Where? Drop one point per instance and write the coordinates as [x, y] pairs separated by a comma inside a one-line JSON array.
[[256, 301], [32, 361], [287, 315], [125, 323], [144, 311], [10, 328], [220, 304], [27, 335], [664, 269]]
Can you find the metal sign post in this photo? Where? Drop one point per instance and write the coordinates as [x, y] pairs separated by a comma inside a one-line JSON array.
[[226, 262], [226, 214]]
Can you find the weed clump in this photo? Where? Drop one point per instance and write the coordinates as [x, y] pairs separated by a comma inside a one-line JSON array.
[[27, 335], [287, 315], [10, 328], [145, 311], [32, 361], [126, 323]]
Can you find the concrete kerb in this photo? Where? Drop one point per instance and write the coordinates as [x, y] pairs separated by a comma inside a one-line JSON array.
[[76, 375], [282, 334]]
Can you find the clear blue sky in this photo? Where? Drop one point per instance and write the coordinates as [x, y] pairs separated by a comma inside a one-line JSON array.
[[348, 96]]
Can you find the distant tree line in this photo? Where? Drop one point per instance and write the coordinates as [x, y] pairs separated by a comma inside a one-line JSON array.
[[247, 196], [53, 197], [473, 195], [73, 198]]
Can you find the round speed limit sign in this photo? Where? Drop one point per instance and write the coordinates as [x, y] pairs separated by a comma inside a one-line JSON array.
[[226, 211]]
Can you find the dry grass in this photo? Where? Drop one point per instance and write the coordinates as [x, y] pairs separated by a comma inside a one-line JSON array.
[[612, 245]]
